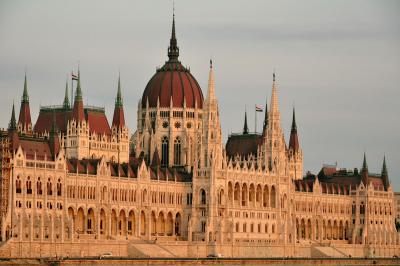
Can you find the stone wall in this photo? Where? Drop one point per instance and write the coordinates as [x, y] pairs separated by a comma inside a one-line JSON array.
[[182, 249]]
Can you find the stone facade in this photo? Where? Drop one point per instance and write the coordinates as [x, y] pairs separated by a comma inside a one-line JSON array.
[[397, 196], [74, 182]]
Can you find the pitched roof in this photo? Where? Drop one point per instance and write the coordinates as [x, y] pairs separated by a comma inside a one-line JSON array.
[[243, 144], [94, 116], [343, 177]]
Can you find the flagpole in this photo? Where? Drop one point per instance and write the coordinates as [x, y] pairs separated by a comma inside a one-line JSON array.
[[72, 90], [255, 118]]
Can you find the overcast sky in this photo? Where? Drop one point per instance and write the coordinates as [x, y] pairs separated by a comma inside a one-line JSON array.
[[338, 62]]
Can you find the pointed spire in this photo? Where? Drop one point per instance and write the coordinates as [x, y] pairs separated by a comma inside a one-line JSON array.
[[265, 126], [25, 97], [294, 139], [13, 122], [211, 84], [274, 96], [245, 127], [384, 169], [173, 49], [294, 126], [24, 119], [118, 100], [78, 93], [66, 98], [364, 166], [78, 112], [119, 117]]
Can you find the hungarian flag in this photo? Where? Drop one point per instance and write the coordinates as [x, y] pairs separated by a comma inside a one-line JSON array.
[[74, 77], [258, 108]]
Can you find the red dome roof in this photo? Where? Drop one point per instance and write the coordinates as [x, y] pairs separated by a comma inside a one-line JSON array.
[[173, 81]]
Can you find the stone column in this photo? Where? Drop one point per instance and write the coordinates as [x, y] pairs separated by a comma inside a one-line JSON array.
[[306, 230], [20, 233], [126, 225], [149, 226], [97, 225], [62, 227], [137, 223], [52, 228], [72, 227], [109, 233]]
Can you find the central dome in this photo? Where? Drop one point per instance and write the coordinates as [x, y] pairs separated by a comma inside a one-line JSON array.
[[173, 81]]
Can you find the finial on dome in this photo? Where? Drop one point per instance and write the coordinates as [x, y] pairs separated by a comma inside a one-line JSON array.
[[173, 49], [210, 63]]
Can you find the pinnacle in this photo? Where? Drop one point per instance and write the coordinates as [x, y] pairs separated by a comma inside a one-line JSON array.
[[211, 84], [13, 122], [294, 126], [25, 97], [245, 127], [364, 166], [78, 94], [173, 49], [66, 98], [384, 169], [118, 100]]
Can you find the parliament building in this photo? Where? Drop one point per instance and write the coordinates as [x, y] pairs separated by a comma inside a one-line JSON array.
[[72, 184]]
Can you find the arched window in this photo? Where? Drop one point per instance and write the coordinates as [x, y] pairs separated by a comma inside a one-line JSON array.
[[59, 188], [29, 186], [49, 188], [202, 196], [144, 196], [18, 185], [164, 151], [39, 187], [221, 197], [177, 151]]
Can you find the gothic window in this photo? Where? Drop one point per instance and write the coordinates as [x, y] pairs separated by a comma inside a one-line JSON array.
[[202, 196], [164, 151], [273, 197], [362, 208], [177, 125], [203, 227], [165, 124], [59, 188], [221, 197], [29, 186], [49, 188], [18, 185], [177, 151]]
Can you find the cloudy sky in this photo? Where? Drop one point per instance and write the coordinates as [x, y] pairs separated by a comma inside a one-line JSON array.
[[338, 62]]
